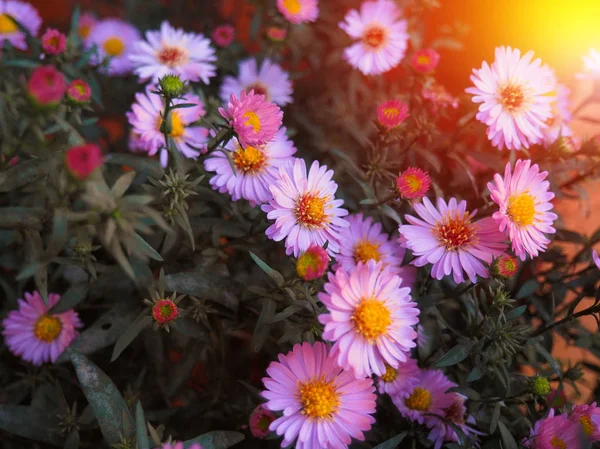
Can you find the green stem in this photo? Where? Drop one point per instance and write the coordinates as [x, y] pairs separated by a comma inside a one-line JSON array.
[[221, 136], [589, 311]]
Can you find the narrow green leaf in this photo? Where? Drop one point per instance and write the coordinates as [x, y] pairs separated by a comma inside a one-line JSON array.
[[21, 218], [143, 321], [516, 313], [261, 331], [508, 441], [495, 418], [147, 248], [217, 439], [455, 355], [32, 423], [545, 354], [141, 432], [475, 374], [71, 298], [392, 443], [72, 441], [184, 105], [273, 274], [527, 289]]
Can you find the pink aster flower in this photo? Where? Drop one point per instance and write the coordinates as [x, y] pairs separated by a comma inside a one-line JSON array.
[[425, 61], [256, 168], [397, 381], [426, 398], [276, 34], [591, 66], [370, 318], [455, 415], [392, 113], [164, 311], [381, 37], [558, 123], [438, 97], [254, 119], [555, 432], [23, 13], [54, 42], [447, 237], [423, 337], [299, 11], [87, 21], [223, 35], [146, 120], [524, 207], [304, 208], [37, 335], [179, 445], [82, 160], [596, 258], [312, 263], [114, 39], [79, 92], [46, 86], [269, 80], [589, 418], [260, 420], [173, 51], [505, 266], [413, 183], [322, 405], [514, 96]]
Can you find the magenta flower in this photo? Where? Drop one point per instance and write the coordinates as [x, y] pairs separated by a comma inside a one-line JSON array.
[[260, 420], [114, 39], [392, 113], [223, 35], [514, 96], [589, 418], [54, 42], [505, 266], [299, 11], [46, 86], [558, 124], [596, 258], [425, 61], [276, 34], [398, 380], [370, 319], [312, 264], [524, 207], [23, 13], [79, 92], [87, 21], [426, 398], [269, 80], [304, 208], [179, 445], [82, 160], [254, 119], [447, 237], [380, 37], [173, 51], [322, 405], [455, 415], [555, 432], [36, 335], [413, 183]]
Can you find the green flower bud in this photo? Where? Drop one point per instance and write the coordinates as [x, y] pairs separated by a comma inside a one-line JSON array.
[[172, 86], [539, 386]]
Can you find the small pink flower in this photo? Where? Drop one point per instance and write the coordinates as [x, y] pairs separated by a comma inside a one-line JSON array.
[[413, 183], [399, 380], [46, 86], [505, 266], [391, 113], [596, 258], [82, 160], [254, 119], [313, 263], [589, 417], [260, 420], [79, 92], [299, 11], [276, 34], [425, 61], [86, 23], [165, 311], [223, 35], [555, 432], [179, 445], [439, 97], [54, 42], [14, 161]]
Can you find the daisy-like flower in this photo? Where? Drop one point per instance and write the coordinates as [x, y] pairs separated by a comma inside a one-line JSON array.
[[399, 380], [505, 266], [304, 208], [269, 80], [371, 318], [223, 35], [391, 113], [514, 96], [455, 415], [413, 183], [35, 334], [589, 417], [260, 420], [596, 258], [256, 168], [254, 119], [173, 51], [79, 92], [114, 39], [427, 397], [146, 120], [323, 405], [312, 264], [299, 11], [363, 241], [448, 238], [23, 13], [380, 34], [87, 21], [54, 42], [558, 124], [425, 61], [591, 66], [555, 432], [524, 207], [82, 160]]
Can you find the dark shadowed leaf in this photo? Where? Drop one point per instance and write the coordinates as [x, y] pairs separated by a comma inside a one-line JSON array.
[[527, 289], [455, 355], [22, 174], [516, 313], [475, 374], [145, 165], [142, 321], [198, 284], [495, 418], [191, 328], [508, 441], [71, 298], [32, 423], [261, 331], [218, 439], [21, 218], [392, 443], [273, 274], [565, 235], [72, 441], [141, 432]]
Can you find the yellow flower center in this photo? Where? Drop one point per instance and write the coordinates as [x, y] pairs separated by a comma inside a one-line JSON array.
[[365, 251], [512, 97], [413, 182], [253, 120], [305, 262], [250, 159], [455, 231], [177, 127], [47, 328], [310, 210], [114, 46], [375, 37], [391, 113], [510, 265], [371, 318], [420, 399], [319, 399], [558, 443], [84, 31], [588, 427], [390, 374], [6, 24], [173, 56], [521, 209], [292, 6], [423, 60]]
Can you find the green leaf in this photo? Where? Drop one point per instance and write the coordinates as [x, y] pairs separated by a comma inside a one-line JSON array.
[[455, 355], [32, 423], [495, 418], [508, 441], [72, 441], [143, 321], [516, 313], [261, 331], [565, 235], [527, 289], [23, 174], [184, 105], [109, 406], [21, 218], [147, 248], [71, 298], [191, 328], [21, 63], [197, 284], [546, 355], [475, 374], [392, 443], [141, 431], [59, 236], [217, 439], [273, 274]]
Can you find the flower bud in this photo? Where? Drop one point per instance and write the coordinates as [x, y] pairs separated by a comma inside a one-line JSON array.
[[424, 61], [46, 87], [82, 160], [313, 263], [164, 311], [223, 35], [260, 420], [539, 385], [54, 42], [79, 92], [505, 266], [172, 86], [391, 113], [413, 183]]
